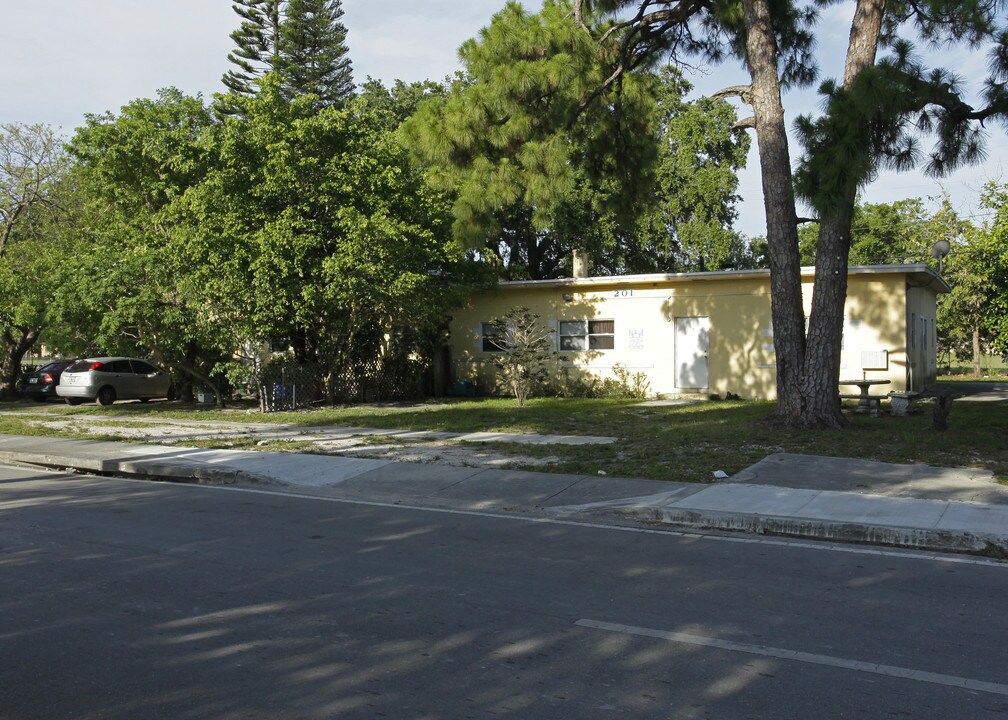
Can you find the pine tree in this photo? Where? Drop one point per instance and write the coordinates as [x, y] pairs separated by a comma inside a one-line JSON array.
[[258, 41], [314, 52]]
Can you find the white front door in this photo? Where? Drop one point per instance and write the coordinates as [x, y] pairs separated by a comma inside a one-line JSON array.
[[692, 339]]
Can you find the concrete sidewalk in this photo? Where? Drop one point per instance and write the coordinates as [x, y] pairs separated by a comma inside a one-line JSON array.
[[793, 496]]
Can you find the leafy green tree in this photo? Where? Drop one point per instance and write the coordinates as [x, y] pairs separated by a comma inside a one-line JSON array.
[[882, 233], [971, 318], [32, 166], [132, 170], [33, 196], [314, 53], [887, 233], [400, 101], [870, 121], [29, 277], [315, 226], [687, 226]]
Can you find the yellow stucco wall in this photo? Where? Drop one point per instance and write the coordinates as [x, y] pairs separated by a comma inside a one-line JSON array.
[[740, 355]]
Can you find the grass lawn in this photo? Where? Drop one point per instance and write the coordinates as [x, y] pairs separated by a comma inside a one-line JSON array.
[[684, 443]]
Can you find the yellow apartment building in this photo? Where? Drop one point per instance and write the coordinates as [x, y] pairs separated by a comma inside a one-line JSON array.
[[707, 332]]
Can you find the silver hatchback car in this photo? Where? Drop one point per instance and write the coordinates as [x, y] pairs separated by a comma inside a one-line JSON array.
[[107, 379]]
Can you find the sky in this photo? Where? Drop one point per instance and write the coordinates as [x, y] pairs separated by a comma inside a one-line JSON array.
[[63, 59]]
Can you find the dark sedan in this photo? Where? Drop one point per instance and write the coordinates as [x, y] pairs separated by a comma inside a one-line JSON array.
[[41, 384]]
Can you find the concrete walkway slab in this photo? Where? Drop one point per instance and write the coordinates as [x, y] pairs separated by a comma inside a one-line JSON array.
[[530, 439], [592, 489], [507, 489], [991, 519], [869, 477], [874, 510], [407, 480], [289, 468], [759, 500]]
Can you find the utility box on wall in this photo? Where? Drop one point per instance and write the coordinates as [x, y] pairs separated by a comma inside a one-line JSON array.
[[874, 359]]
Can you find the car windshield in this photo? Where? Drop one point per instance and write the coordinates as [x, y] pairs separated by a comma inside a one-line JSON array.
[[51, 367], [80, 366]]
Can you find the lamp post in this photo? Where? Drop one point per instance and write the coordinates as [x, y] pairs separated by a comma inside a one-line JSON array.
[[939, 250]]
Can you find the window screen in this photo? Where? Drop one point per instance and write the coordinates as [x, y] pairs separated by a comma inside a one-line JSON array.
[[491, 339], [577, 335]]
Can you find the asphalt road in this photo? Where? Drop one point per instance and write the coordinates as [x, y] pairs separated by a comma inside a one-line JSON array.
[[130, 599]]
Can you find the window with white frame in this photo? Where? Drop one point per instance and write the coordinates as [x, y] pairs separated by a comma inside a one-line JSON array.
[[576, 335]]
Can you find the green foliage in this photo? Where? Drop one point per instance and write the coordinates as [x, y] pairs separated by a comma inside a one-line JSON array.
[[526, 352], [301, 40], [971, 319], [32, 167], [876, 120], [36, 198], [687, 224], [130, 293], [257, 44], [401, 100], [883, 233], [624, 386], [518, 135], [314, 226], [207, 239], [314, 52]]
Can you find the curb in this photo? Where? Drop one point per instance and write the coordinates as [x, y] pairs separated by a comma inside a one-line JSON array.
[[169, 471], [948, 541], [956, 541]]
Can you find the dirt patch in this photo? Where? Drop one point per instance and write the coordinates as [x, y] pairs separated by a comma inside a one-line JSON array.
[[365, 445]]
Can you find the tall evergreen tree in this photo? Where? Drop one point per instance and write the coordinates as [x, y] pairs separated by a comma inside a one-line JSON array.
[[257, 41], [314, 53], [870, 121]]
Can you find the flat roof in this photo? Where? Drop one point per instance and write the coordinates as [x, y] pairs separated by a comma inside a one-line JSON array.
[[923, 274]]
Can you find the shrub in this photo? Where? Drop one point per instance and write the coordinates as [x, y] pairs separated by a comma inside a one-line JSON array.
[[526, 351]]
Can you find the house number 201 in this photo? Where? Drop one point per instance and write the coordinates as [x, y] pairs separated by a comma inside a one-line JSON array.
[[622, 293]]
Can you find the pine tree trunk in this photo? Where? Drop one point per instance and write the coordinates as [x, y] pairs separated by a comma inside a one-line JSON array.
[[821, 376], [779, 204], [820, 388]]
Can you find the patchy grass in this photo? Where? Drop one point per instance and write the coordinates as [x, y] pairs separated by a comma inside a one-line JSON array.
[[684, 443]]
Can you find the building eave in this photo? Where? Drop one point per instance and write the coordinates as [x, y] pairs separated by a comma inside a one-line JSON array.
[[920, 273]]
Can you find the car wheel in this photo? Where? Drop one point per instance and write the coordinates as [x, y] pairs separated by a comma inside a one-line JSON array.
[[172, 395], [73, 401], [106, 396]]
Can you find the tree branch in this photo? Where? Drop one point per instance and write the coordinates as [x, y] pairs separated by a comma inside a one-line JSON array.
[[744, 92]]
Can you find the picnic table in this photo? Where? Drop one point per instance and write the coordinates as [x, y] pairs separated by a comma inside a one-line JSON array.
[[867, 403]]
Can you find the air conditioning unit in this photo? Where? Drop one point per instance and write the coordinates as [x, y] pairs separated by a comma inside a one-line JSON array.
[[874, 359]]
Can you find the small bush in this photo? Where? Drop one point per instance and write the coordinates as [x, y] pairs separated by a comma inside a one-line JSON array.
[[625, 386], [526, 350]]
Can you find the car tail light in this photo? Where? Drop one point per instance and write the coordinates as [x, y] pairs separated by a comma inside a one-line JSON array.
[[47, 378]]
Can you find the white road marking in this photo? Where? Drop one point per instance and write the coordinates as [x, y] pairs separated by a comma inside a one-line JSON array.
[[797, 656]]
